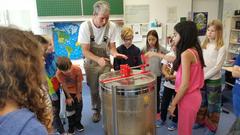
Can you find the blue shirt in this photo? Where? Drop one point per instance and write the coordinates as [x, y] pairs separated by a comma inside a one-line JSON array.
[[50, 64], [21, 122], [236, 91]]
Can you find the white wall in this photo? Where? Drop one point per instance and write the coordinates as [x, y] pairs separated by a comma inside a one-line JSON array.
[[22, 13], [210, 6], [158, 10]]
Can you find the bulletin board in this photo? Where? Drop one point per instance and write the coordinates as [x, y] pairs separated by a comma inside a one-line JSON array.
[[74, 7], [59, 7], [116, 7]]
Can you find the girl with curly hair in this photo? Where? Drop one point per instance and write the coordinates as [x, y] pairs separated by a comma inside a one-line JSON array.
[[23, 105]]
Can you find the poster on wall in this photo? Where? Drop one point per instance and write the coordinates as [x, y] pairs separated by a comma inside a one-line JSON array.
[[65, 36], [201, 19], [136, 14], [172, 14]]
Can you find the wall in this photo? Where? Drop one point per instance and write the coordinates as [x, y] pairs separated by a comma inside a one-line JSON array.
[[210, 6], [22, 14], [27, 10], [158, 10]]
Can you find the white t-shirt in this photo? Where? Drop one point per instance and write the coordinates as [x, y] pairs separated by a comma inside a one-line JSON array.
[[165, 62], [214, 60], [84, 33]]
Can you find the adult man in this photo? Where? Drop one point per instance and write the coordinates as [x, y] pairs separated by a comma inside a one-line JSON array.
[[97, 38]]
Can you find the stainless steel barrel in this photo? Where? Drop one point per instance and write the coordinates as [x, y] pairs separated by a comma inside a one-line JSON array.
[[129, 104]]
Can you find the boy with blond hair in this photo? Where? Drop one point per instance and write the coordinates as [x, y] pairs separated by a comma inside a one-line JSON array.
[[127, 48]]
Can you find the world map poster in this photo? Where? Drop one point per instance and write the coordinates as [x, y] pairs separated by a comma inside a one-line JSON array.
[[65, 36]]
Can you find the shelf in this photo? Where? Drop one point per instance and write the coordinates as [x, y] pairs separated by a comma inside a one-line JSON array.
[[236, 30], [236, 16], [236, 43], [73, 18], [233, 51]]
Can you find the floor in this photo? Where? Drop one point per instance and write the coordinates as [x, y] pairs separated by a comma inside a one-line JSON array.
[[91, 128]]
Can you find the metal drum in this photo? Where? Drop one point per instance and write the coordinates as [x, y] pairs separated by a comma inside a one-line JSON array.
[[129, 104]]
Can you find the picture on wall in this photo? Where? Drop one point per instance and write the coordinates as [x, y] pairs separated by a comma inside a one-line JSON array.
[[201, 19], [65, 36]]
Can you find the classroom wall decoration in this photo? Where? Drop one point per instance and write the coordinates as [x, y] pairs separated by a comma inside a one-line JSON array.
[[201, 19], [65, 36]]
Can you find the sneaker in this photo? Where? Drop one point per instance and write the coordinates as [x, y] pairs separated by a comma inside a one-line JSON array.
[[172, 126], [209, 132], [160, 123], [70, 131], [96, 116], [80, 128], [197, 126]]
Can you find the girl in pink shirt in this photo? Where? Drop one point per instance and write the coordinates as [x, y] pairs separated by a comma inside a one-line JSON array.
[[189, 65]]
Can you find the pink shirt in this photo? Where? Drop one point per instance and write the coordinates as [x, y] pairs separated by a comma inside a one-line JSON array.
[[196, 81]]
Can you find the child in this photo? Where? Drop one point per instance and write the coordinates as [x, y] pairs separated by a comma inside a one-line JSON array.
[[53, 84], [70, 76], [214, 53], [23, 107], [152, 45], [169, 90], [189, 65], [127, 48], [236, 97]]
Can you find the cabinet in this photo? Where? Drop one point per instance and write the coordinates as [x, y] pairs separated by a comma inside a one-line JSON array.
[[233, 48], [234, 40]]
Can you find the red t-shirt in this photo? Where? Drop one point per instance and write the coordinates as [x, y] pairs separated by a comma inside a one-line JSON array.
[[72, 80]]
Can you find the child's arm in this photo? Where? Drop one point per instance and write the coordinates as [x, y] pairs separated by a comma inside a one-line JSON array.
[[160, 55], [63, 85], [139, 58], [218, 66], [236, 68], [114, 52], [116, 64], [69, 99], [236, 71], [79, 86], [165, 71], [187, 58]]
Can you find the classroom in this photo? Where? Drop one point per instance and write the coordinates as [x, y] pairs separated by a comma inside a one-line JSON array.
[[120, 67]]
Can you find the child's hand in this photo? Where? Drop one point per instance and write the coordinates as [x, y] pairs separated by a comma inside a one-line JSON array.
[[118, 55], [171, 110], [168, 77], [236, 68], [69, 101]]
